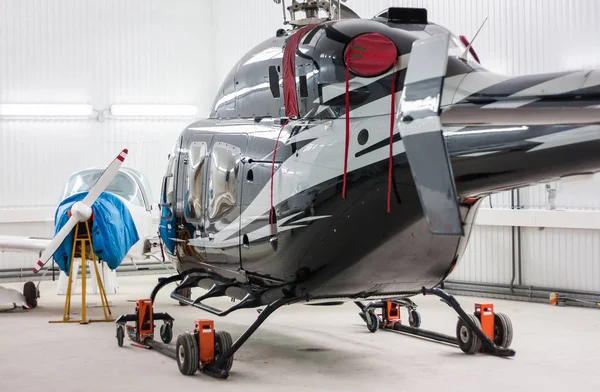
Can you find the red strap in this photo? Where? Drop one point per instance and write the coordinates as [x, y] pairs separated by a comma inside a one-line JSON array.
[[290, 97], [347, 128], [347, 141], [392, 115]]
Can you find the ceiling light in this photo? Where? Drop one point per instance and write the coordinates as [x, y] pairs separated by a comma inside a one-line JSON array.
[[154, 110], [45, 110]]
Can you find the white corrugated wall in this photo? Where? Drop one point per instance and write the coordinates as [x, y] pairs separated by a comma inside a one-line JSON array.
[[98, 53], [140, 51]]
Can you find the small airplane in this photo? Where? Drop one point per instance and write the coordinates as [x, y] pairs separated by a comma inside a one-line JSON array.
[[311, 181], [130, 193]]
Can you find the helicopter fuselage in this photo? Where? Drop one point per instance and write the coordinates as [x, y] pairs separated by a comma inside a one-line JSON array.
[[223, 179]]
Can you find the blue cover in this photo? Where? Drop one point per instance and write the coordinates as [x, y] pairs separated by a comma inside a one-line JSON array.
[[113, 230]]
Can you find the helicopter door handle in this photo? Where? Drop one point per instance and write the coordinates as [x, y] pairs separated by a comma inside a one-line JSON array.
[[165, 204]]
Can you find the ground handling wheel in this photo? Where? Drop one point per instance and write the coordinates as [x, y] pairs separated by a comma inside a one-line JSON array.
[[468, 341], [223, 343], [120, 335], [31, 294], [187, 353], [414, 318], [166, 333], [503, 330], [185, 292], [372, 321]]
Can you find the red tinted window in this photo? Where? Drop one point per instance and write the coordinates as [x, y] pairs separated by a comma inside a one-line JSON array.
[[370, 55]]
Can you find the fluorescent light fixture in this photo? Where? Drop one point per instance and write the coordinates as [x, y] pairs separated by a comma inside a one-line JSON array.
[[154, 110], [44, 110]]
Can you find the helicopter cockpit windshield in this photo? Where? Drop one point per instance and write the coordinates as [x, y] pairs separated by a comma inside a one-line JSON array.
[[123, 185]]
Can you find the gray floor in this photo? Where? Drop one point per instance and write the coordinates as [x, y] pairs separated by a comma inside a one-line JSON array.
[[299, 348]]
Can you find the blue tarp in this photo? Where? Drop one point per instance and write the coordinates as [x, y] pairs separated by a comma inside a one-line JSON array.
[[113, 230]]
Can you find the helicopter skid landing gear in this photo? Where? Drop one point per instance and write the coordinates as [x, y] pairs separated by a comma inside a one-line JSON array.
[[483, 331], [204, 349]]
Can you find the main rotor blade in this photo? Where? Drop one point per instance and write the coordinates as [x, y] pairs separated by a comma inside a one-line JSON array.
[[105, 179], [56, 242], [466, 116]]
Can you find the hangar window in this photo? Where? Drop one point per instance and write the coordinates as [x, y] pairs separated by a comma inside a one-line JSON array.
[[195, 179], [223, 180]]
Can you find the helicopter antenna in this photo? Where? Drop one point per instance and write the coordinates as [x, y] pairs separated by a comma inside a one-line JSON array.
[[468, 49]]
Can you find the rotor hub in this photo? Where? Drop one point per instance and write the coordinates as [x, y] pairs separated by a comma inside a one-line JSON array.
[[311, 9], [81, 211]]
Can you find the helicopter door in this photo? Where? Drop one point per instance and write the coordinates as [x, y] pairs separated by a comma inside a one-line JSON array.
[[194, 184], [224, 194], [167, 226]]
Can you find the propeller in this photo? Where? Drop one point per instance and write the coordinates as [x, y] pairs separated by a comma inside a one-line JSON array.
[[81, 210]]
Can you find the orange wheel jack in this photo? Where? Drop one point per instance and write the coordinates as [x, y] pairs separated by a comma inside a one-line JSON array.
[[200, 350], [203, 349], [143, 330], [390, 316], [481, 331]]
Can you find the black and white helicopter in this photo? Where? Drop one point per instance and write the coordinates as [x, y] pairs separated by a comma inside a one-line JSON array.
[[346, 158]]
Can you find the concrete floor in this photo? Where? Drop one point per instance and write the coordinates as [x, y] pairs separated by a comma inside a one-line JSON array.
[[299, 348]]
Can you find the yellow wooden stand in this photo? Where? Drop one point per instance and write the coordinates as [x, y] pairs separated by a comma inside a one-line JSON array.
[[84, 240]]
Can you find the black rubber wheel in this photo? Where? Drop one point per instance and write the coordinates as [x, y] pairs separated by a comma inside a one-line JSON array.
[[166, 333], [414, 319], [30, 294], [372, 321], [186, 352], [503, 330], [120, 335], [468, 341], [223, 343], [185, 292]]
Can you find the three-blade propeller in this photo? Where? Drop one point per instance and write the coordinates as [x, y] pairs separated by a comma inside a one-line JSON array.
[[82, 210]]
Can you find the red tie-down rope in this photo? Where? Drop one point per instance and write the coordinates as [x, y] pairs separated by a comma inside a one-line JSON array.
[[392, 115], [290, 98]]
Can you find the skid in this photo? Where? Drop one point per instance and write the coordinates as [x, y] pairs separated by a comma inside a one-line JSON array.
[[476, 331], [223, 351]]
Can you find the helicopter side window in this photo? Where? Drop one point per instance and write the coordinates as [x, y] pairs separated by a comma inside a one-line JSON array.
[[274, 81], [167, 190], [223, 180], [195, 179]]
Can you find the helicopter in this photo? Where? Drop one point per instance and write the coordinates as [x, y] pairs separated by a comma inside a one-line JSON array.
[[346, 158]]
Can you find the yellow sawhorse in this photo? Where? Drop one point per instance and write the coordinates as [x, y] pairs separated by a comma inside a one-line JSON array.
[[83, 238]]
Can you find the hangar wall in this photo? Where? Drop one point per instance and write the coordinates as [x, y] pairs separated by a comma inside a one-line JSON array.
[[97, 53], [143, 51]]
